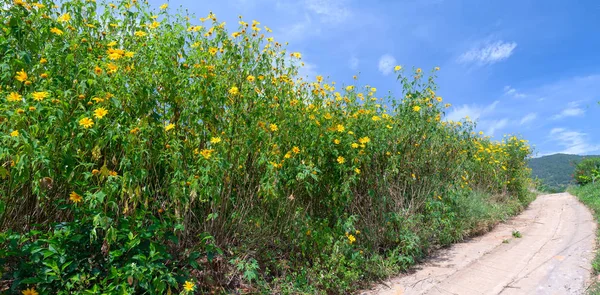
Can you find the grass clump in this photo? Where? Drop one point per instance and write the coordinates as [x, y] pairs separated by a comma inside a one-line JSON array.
[[143, 152]]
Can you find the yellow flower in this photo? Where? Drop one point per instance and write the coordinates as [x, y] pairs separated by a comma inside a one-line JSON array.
[[86, 122], [39, 95], [354, 145], [350, 88], [250, 78], [29, 291], [336, 141], [154, 25], [100, 112], [296, 150], [164, 6], [206, 153], [416, 108], [351, 239], [14, 133], [188, 286], [288, 155], [140, 33], [375, 118], [13, 96], [21, 76], [364, 140], [75, 197], [169, 126], [215, 140], [327, 116], [439, 99], [44, 75], [437, 68], [97, 70], [296, 55], [56, 31], [357, 170], [234, 91], [213, 50], [112, 68], [64, 18], [341, 160], [111, 44], [397, 68], [134, 130], [340, 128], [43, 60], [273, 127]]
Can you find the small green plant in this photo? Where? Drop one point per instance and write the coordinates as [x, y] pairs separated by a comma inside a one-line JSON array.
[[516, 234], [587, 171], [505, 241]]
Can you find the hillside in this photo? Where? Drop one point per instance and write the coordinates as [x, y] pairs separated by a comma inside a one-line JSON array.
[[556, 170]]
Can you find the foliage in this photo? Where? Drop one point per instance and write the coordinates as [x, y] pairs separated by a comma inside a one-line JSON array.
[[587, 171], [590, 195], [143, 153]]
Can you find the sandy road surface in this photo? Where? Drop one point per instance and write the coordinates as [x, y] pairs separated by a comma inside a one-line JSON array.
[[552, 257]]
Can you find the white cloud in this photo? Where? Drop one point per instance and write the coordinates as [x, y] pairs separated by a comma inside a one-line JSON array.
[[573, 142], [528, 118], [330, 11], [353, 63], [474, 112], [495, 125], [386, 64], [509, 91], [489, 53], [572, 110]]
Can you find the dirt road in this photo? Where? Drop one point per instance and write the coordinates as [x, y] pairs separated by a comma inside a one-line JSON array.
[[553, 256]]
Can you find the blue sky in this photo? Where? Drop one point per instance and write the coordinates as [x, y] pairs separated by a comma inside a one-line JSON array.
[[517, 66]]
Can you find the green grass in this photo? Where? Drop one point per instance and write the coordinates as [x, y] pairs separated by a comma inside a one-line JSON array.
[[590, 196]]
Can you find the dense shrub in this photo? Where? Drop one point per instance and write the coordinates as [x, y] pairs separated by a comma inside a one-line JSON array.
[[142, 152], [587, 171]]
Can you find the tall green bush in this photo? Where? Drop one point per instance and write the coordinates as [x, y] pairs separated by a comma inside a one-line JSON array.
[[144, 152]]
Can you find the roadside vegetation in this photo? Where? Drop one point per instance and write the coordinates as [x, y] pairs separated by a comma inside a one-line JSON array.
[[588, 192], [148, 152]]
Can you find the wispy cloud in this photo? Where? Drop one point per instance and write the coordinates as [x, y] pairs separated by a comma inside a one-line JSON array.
[[495, 125], [509, 91], [386, 64], [528, 118], [473, 112], [489, 53], [317, 17], [574, 142], [330, 11], [572, 110]]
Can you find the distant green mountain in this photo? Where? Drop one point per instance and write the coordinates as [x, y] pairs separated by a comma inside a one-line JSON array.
[[555, 171]]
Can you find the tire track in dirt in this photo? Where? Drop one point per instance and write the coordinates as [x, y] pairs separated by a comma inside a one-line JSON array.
[[553, 256]]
